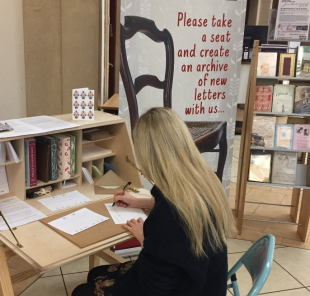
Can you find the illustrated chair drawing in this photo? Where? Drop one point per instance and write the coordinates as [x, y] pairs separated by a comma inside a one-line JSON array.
[[258, 261], [207, 135]]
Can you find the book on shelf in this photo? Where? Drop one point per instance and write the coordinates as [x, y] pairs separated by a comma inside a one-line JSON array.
[[301, 139], [260, 167], [286, 66], [4, 185], [43, 152], [302, 100], [53, 169], [263, 98], [267, 64], [11, 153], [30, 162], [72, 154], [2, 153], [263, 131], [63, 147], [284, 136], [283, 98], [284, 166], [303, 61]]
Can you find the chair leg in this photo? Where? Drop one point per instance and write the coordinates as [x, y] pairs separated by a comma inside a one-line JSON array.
[[222, 155]]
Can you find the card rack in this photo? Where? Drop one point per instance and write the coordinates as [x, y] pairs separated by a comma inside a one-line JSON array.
[[299, 192]]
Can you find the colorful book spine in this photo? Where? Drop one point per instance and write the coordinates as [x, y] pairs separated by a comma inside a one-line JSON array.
[[63, 148], [27, 163], [32, 163], [72, 154], [301, 137], [53, 170]]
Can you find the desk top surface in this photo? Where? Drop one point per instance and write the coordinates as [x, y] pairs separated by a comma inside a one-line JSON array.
[[45, 249]]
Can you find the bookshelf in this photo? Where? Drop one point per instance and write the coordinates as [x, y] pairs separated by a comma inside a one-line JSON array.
[[301, 194], [119, 143]]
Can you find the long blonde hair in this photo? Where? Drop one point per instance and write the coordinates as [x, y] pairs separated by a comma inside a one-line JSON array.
[[167, 154]]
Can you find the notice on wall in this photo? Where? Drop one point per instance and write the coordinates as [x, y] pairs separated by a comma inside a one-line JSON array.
[[207, 43], [293, 20]]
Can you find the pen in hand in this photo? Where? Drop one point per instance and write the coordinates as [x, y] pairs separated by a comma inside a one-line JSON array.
[[124, 189]]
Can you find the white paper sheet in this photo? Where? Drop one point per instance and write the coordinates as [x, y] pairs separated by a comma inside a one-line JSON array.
[[65, 200], [17, 212], [36, 125], [78, 221], [121, 215], [4, 186]]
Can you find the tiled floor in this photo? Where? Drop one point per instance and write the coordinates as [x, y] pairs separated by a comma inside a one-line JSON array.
[[290, 274]]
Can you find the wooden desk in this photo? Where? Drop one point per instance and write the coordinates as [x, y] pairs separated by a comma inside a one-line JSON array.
[[43, 248]]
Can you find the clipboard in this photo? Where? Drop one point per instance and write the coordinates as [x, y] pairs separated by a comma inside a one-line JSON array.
[[95, 234]]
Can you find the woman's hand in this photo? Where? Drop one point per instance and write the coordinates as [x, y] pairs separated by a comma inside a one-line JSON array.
[[127, 200], [136, 228]]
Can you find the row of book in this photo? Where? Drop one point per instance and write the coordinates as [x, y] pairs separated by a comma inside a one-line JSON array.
[[267, 133], [285, 64], [280, 167], [48, 158], [282, 98]]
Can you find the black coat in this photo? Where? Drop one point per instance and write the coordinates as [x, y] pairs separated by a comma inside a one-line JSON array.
[[166, 264]]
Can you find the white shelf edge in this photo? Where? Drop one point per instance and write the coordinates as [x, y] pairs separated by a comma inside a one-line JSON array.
[[277, 185], [284, 78], [277, 149], [282, 114]]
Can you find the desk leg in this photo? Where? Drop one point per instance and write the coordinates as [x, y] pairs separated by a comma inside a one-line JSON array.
[[94, 261], [111, 257], [6, 288]]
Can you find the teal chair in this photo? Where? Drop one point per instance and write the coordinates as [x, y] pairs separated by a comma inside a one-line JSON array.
[[258, 262]]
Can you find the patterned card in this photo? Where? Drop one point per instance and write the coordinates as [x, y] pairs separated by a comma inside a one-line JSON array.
[[263, 98], [83, 101]]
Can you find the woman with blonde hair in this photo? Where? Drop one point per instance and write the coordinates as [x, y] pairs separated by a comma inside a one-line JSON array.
[[184, 238]]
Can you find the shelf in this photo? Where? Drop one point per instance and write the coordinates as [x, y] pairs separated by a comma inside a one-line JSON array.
[[284, 78], [86, 142], [97, 156], [277, 185], [41, 183], [282, 114], [9, 163], [281, 150]]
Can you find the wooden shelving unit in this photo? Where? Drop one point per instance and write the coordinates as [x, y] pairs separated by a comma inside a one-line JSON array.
[[302, 193], [119, 143]]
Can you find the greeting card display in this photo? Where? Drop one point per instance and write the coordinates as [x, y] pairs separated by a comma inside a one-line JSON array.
[[263, 130], [267, 64], [284, 136], [283, 98], [302, 100], [284, 167], [263, 98], [83, 101], [301, 137], [303, 61]]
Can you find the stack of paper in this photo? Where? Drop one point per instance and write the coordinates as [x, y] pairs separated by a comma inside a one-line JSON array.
[[2, 154], [17, 212], [87, 176], [11, 153], [65, 200], [78, 221]]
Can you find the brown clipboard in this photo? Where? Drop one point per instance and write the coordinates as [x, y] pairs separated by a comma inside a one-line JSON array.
[[95, 234]]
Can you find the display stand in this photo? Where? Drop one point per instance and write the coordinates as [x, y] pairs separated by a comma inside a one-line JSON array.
[[302, 222]]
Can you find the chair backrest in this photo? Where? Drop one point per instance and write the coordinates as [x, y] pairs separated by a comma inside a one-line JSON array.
[[258, 262], [134, 24]]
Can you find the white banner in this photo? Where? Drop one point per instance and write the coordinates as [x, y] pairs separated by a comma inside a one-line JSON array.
[[208, 41]]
